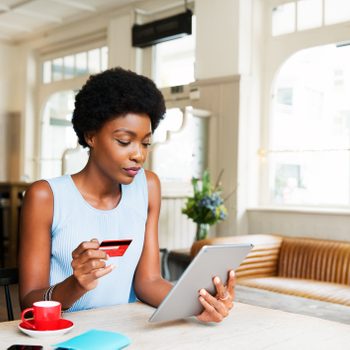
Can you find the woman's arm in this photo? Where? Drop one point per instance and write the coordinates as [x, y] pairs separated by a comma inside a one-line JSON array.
[[35, 252], [150, 287]]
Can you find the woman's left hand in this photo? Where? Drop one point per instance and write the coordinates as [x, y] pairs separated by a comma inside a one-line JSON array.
[[217, 307]]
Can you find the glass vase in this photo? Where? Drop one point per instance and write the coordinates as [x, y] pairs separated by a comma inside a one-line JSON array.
[[202, 231]]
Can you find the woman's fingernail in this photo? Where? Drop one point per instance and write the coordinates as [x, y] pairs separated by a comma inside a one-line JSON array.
[[203, 292], [232, 273], [216, 280]]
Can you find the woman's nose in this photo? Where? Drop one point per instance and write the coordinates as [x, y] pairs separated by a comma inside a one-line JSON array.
[[138, 154]]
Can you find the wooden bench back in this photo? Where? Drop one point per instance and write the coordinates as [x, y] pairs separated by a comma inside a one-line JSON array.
[[316, 259], [262, 261]]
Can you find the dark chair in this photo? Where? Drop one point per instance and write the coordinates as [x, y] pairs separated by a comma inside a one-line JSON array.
[[4, 226], [8, 276], [164, 263]]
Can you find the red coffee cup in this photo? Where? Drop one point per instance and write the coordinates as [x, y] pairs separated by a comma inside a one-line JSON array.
[[46, 315]]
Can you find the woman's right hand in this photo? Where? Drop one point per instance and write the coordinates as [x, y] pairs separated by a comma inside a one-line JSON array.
[[89, 264]]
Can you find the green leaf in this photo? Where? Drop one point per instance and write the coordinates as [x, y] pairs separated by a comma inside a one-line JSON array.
[[206, 206]]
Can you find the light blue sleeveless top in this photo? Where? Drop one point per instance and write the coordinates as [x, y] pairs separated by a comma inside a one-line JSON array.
[[75, 220]]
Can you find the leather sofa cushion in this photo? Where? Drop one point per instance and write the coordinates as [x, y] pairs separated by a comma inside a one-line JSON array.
[[316, 259], [262, 261], [324, 291], [306, 267]]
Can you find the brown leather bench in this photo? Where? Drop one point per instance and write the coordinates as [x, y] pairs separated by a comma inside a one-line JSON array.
[[306, 267]]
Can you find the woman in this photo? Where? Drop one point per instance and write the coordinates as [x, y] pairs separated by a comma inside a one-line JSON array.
[[64, 219]]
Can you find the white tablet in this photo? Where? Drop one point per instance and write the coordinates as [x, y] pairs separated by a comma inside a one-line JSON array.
[[214, 260]]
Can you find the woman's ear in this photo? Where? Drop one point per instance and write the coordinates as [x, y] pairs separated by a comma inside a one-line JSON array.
[[89, 139]]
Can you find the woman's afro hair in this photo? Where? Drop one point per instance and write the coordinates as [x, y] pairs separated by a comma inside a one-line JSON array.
[[113, 93]]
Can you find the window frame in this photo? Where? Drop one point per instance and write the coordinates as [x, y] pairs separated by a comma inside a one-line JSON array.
[[276, 51], [46, 90]]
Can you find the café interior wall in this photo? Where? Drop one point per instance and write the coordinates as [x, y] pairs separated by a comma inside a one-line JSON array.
[[119, 38], [113, 27], [31, 102], [19, 80], [224, 59], [240, 128], [228, 78], [251, 56], [215, 56], [300, 222], [235, 102]]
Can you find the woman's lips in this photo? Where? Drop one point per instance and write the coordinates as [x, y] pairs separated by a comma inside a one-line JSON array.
[[132, 171]]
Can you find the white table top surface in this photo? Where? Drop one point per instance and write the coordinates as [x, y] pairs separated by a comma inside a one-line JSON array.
[[247, 327]]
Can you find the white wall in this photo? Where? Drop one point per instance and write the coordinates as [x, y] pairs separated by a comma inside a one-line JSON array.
[[216, 22], [221, 96], [232, 48], [9, 77], [119, 41], [9, 112], [325, 224]]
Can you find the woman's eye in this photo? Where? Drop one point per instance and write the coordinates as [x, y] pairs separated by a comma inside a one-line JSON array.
[[146, 144], [123, 143]]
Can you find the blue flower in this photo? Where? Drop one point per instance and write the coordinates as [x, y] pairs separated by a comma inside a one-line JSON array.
[[206, 206]]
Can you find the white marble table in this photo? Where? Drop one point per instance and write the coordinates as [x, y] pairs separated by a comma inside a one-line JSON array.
[[247, 327]]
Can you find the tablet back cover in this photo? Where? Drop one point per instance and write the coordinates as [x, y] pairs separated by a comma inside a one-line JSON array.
[[214, 260]]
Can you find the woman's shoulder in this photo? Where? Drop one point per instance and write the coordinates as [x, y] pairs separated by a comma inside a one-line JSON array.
[[40, 188], [152, 179], [153, 187], [151, 176], [39, 192]]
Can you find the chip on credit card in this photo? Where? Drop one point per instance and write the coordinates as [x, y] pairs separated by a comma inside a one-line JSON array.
[[115, 247]]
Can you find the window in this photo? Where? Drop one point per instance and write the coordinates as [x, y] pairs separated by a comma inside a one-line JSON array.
[[70, 66], [307, 14], [283, 19], [309, 155], [179, 141], [174, 61], [178, 152], [337, 11], [59, 149], [57, 132]]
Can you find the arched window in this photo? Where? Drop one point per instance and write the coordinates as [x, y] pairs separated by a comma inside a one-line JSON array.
[[57, 133], [62, 75], [309, 151]]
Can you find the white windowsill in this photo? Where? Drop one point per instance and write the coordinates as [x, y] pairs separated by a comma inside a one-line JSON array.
[[302, 210]]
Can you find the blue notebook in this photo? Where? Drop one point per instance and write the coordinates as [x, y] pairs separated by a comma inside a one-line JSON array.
[[95, 339]]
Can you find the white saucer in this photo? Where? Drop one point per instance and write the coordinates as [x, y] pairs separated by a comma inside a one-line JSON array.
[[64, 327]]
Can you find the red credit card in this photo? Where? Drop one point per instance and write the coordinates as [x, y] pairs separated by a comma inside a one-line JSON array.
[[115, 247]]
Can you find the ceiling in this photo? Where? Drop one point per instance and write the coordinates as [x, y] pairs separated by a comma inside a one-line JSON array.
[[20, 19]]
